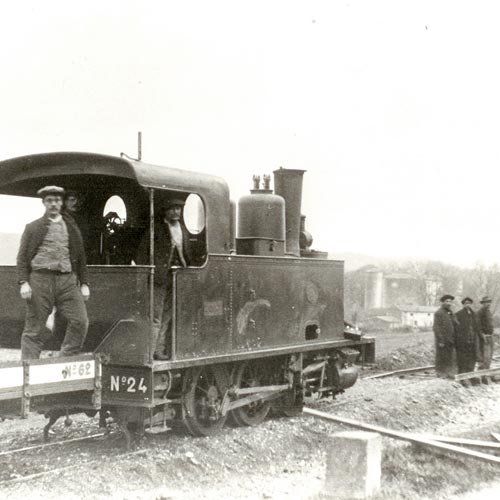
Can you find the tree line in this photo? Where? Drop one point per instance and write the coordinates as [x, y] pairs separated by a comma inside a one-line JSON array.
[[474, 282]]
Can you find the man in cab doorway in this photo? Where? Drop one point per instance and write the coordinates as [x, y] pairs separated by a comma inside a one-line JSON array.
[[171, 248]]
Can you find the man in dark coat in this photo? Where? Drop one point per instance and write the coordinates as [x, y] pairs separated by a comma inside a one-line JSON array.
[[73, 202], [52, 271], [171, 248], [485, 320], [467, 339], [444, 328]]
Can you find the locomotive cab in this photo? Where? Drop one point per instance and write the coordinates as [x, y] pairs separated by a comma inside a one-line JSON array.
[[119, 200]]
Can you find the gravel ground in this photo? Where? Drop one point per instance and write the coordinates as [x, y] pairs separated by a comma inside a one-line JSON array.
[[280, 459]]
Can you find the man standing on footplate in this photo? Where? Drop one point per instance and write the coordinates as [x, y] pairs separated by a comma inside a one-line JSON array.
[[445, 324], [52, 271]]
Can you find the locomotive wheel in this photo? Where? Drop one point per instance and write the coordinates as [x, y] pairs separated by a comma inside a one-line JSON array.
[[204, 388], [250, 374]]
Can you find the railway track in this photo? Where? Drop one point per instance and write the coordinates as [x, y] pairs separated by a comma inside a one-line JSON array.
[[28, 477], [13, 461], [403, 371], [411, 371], [49, 445]]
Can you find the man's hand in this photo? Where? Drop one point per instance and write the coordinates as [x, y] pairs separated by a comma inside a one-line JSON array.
[[26, 291], [85, 291]]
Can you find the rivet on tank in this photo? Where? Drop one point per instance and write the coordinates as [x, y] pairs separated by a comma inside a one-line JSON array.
[[261, 221]]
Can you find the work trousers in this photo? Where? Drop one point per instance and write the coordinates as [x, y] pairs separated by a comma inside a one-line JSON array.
[[51, 289], [486, 350], [162, 319], [445, 360], [466, 357]]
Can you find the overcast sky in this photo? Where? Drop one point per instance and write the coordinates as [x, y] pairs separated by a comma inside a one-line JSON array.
[[392, 107]]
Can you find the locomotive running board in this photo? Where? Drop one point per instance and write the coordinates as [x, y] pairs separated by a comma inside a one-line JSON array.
[[261, 353], [20, 382]]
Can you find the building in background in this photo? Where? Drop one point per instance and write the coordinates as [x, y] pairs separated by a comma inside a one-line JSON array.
[[390, 318], [416, 316], [389, 290]]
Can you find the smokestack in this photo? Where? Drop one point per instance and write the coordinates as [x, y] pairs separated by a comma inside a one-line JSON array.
[[232, 224], [288, 184]]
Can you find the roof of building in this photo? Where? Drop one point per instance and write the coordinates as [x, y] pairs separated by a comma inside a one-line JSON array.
[[399, 276], [387, 319], [416, 309]]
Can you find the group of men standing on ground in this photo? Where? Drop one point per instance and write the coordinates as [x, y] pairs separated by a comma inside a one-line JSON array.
[[52, 273], [466, 336]]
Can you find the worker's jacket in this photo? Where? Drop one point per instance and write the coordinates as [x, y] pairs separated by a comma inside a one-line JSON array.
[[33, 236], [444, 327]]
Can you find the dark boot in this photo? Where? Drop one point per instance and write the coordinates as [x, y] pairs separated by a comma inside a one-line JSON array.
[[159, 356]]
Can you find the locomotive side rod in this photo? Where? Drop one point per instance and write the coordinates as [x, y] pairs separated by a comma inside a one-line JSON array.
[[257, 394], [253, 390], [228, 405]]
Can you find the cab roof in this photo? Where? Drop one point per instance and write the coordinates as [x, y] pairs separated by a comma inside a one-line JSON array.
[[17, 174], [24, 175]]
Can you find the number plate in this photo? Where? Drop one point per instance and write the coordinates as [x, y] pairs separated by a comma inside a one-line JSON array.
[[126, 383], [61, 372]]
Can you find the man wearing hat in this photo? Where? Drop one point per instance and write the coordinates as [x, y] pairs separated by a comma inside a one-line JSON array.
[[467, 339], [444, 327], [485, 319], [52, 271], [171, 248]]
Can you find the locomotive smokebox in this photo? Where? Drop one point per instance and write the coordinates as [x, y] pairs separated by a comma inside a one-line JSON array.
[[261, 222], [288, 184]]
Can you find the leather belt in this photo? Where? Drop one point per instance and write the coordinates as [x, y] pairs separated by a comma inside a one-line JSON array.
[[49, 271]]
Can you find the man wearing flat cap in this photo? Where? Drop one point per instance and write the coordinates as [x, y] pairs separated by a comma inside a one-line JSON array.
[[485, 319], [52, 272], [467, 339], [444, 327], [171, 248]]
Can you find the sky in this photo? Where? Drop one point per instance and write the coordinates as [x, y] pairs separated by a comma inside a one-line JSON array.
[[392, 107]]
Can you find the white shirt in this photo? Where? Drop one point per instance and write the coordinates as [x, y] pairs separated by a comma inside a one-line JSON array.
[[176, 234]]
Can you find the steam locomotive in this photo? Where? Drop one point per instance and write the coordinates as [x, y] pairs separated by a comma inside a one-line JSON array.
[[257, 317]]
